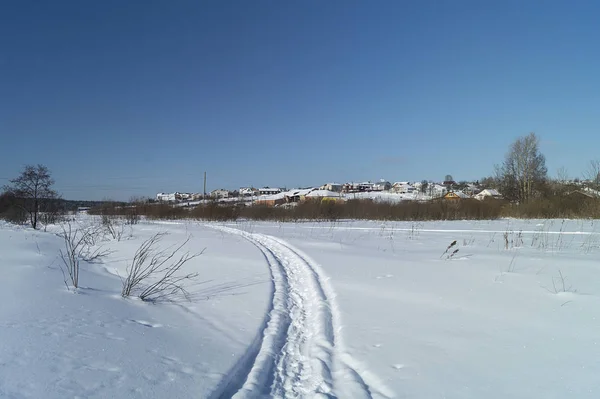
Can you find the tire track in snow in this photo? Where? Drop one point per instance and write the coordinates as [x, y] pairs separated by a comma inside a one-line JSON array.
[[300, 352]]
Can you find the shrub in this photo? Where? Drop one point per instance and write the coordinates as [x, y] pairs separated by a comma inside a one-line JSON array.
[[154, 274]]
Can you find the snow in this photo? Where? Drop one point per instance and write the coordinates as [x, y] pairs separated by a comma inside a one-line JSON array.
[[271, 197], [95, 344], [324, 193], [346, 309], [387, 196], [489, 192], [298, 192]]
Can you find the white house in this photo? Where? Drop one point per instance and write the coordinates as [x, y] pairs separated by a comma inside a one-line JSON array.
[[488, 193], [382, 185], [164, 197], [402, 187], [436, 190], [248, 192], [219, 193]]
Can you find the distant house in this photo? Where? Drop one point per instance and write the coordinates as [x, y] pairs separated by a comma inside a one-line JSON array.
[[219, 193], [584, 194], [336, 187], [184, 196], [297, 195], [455, 195], [591, 191], [248, 192], [164, 197], [271, 200], [402, 187], [436, 190], [472, 189], [488, 193], [382, 185], [269, 191]]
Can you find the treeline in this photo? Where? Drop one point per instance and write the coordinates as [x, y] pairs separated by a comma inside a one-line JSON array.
[[469, 209], [16, 209]]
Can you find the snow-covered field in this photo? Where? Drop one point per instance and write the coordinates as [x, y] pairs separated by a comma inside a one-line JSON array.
[[346, 309]]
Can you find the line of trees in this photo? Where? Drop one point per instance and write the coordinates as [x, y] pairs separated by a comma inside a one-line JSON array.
[[522, 179]]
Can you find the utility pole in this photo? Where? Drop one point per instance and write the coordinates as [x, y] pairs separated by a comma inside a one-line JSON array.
[[204, 197]]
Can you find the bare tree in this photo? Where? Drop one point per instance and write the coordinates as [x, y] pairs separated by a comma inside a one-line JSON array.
[[154, 274], [524, 171], [34, 188], [592, 174], [448, 178], [562, 175]]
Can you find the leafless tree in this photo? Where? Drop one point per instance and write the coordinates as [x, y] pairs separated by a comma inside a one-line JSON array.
[[34, 188], [154, 274], [592, 174], [524, 171], [562, 175]]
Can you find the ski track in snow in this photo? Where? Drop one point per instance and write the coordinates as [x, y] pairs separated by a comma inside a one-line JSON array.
[[300, 353]]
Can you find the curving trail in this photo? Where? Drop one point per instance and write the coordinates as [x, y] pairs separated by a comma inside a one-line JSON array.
[[299, 354]]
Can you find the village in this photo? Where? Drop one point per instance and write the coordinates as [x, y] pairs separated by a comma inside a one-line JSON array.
[[381, 190]]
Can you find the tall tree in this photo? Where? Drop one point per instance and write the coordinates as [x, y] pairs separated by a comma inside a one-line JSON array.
[[592, 174], [34, 188], [524, 171]]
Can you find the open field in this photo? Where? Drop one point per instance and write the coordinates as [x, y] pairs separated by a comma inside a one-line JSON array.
[[344, 309]]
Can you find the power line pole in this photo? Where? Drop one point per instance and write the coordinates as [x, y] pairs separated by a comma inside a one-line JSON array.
[[204, 197]]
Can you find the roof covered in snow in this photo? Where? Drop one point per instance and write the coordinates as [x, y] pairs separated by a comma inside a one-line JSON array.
[[489, 192], [323, 193]]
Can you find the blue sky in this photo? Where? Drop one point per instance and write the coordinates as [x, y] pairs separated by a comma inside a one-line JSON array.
[[132, 98]]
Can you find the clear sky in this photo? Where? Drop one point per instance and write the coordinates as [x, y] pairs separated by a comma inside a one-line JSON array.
[[122, 98]]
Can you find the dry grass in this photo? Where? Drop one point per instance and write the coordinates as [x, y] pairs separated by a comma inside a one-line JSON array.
[[470, 209]]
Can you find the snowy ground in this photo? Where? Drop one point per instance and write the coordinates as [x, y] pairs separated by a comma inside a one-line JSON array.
[[347, 309]]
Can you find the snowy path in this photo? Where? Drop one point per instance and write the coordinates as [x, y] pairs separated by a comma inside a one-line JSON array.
[[300, 352]]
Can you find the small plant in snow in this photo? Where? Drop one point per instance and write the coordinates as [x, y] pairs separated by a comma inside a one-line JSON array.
[[415, 230], [512, 239], [113, 229], [591, 242], [492, 239], [468, 242], [451, 255], [69, 257], [559, 284], [154, 274], [452, 244]]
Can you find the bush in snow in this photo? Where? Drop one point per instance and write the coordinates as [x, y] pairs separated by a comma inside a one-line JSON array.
[[80, 244], [154, 274]]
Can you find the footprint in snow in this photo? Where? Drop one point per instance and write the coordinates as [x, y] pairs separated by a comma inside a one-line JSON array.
[[384, 276], [398, 366]]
